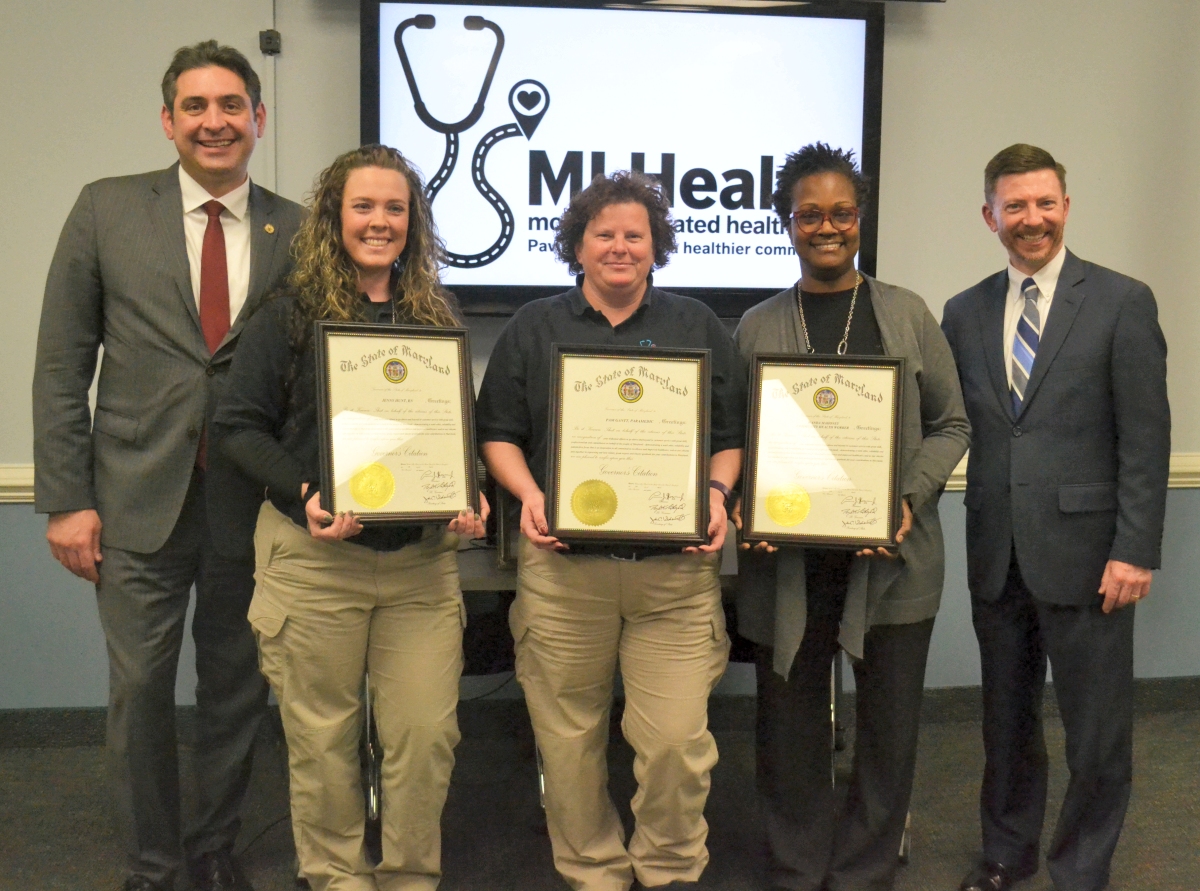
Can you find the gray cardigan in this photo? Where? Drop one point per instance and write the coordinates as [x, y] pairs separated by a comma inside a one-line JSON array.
[[934, 437]]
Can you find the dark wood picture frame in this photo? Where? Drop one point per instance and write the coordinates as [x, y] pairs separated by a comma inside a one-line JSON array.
[[321, 332], [699, 535], [750, 531]]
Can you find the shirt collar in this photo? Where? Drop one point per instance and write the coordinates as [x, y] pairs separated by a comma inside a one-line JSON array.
[[579, 304], [236, 202], [1045, 278]]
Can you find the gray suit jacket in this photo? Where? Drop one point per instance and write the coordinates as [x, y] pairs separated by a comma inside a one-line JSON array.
[[771, 599], [1080, 475], [120, 279]]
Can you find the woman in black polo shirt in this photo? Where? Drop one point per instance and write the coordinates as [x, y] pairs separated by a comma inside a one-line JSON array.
[[334, 599], [581, 610]]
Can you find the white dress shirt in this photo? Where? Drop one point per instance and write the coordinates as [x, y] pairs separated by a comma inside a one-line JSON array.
[[1046, 279], [235, 222]]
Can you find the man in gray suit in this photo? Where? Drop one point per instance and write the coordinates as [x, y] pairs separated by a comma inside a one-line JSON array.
[[1063, 370], [162, 270]]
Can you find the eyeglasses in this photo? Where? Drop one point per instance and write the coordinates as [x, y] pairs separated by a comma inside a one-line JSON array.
[[810, 219]]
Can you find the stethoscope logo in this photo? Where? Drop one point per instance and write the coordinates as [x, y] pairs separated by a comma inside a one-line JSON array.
[[528, 100]]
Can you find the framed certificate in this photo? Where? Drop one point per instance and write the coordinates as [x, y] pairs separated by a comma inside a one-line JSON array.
[[397, 433], [823, 463], [628, 445]]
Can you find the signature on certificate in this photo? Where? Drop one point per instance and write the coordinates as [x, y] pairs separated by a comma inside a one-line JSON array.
[[666, 508], [438, 485], [859, 510]]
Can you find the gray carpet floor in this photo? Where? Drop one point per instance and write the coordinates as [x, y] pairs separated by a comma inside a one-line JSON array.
[[55, 831]]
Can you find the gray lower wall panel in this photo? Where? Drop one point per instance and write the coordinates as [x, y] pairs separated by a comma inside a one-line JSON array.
[[52, 649]]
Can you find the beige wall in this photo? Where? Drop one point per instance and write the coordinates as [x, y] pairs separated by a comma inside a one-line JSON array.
[[1110, 87]]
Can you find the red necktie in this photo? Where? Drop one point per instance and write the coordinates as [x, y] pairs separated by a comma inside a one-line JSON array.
[[214, 295], [214, 279]]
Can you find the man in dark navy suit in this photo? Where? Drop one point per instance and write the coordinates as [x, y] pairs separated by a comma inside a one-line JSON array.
[[1063, 370]]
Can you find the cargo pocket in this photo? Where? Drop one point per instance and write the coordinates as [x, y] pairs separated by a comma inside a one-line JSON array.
[[719, 633], [519, 628], [719, 660], [267, 619]]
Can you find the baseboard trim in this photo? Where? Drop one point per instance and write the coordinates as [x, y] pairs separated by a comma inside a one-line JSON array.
[[16, 480], [1184, 473], [16, 484]]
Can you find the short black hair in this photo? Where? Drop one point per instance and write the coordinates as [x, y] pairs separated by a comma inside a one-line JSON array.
[[1019, 158], [203, 55], [623, 187], [817, 157]]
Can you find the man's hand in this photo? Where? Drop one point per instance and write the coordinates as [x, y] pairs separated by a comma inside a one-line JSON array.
[[469, 523], [1123, 584], [534, 525], [74, 538], [718, 523], [323, 525], [905, 528]]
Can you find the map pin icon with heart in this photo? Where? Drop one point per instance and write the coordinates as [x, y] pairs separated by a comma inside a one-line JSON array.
[[528, 100]]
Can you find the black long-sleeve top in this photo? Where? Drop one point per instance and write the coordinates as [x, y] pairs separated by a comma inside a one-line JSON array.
[[267, 421]]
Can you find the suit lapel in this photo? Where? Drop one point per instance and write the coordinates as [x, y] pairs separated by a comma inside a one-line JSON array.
[[1067, 299], [990, 317], [167, 208], [264, 244]]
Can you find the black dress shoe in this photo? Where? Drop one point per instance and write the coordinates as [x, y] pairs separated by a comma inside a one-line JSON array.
[[218, 871], [140, 883], [992, 876]]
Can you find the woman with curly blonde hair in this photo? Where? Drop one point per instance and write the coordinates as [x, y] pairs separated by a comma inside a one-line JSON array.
[[333, 600]]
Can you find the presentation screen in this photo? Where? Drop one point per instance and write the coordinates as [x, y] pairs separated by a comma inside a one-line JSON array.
[[508, 111]]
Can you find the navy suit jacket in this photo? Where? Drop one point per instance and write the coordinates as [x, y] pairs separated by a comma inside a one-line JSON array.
[[1079, 476]]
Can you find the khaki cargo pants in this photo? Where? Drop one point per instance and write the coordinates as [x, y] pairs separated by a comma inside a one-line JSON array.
[[323, 613], [574, 619]]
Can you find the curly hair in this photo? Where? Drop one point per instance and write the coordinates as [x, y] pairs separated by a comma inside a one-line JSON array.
[[325, 278], [815, 158], [1019, 158], [623, 187]]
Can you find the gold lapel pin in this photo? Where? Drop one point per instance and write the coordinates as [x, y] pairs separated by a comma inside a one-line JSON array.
[[269, 229]]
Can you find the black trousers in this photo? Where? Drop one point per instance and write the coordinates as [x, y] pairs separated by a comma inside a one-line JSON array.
[[810, 844], [1092, 657], [143, 602]]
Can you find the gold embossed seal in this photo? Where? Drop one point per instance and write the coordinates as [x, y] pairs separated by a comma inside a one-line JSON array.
[[373, 486], [630, 389], [825, 398], [395, 371], [594, 502], [788, 505]]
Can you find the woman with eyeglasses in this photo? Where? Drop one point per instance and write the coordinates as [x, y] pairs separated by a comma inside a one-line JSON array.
[[800, 605]]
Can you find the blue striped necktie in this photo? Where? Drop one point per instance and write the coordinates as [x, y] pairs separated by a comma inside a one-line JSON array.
[[1025, 343]]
